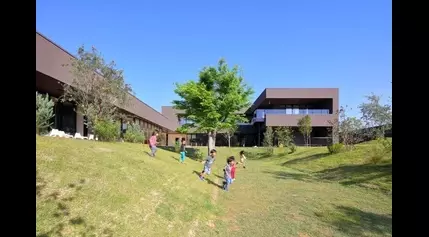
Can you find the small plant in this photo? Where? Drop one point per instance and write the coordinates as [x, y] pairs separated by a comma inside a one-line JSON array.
[[198, 155], [292, 148], [177, 146], [107, 130], [269, 151], [134, 134], [376, 154], [281, 149], [335, 148], [44, 112]]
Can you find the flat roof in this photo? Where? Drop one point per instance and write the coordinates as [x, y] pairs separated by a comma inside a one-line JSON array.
[[50, 58]]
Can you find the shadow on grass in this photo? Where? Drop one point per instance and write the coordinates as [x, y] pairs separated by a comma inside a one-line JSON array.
[[356, 174], [355, 222], [289, 175], [190, 152], [69, 222], [213, 183], [305, 159]]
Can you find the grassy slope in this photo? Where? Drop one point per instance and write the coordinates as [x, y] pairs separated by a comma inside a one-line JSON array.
[[115, 189]]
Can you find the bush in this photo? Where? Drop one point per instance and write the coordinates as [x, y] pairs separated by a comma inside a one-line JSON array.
[[269, 151], [251, 154], [134, 134], [107, 130], [382, 149], [177, 147], [335, 148], [44, 112], [198, 155], [292, 148]]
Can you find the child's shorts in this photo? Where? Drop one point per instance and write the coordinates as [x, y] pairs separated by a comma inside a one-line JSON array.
[[207, 170]]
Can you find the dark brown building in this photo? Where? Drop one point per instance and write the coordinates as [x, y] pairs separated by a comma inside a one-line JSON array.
[[50, 72], [277, 107]]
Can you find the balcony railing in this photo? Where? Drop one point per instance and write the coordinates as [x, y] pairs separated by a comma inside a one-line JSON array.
[[260, 113]]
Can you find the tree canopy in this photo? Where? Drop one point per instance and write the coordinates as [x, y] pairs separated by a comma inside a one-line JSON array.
[[212, 102]]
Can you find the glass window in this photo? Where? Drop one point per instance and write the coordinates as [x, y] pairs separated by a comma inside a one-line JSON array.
[[295, 109], [288, 109]]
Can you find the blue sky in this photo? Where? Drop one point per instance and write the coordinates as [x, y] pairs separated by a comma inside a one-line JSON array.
[[285, 43]]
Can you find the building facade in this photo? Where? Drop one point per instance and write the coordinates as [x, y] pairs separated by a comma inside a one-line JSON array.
[[276, 107], [51, 73]]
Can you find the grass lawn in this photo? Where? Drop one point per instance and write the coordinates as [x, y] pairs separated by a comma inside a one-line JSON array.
[[88, 188]]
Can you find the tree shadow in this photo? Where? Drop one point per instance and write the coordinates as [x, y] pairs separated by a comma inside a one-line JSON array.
[[306, 159], [356, 174], [190, 151], [355, 222], [63, 212], [289, 175]]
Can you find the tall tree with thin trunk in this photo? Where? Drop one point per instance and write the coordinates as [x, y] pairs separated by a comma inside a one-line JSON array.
[[305, 128], [229, 131], [376, 116], [98, 88], [268, 137], [212, 101]]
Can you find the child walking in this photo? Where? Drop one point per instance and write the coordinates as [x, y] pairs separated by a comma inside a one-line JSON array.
[[153, 143], [208, 164], [234, 165], [227, 173], [183, 150], [242, 159]]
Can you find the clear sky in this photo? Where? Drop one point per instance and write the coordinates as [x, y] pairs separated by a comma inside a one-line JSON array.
[[284, 43]]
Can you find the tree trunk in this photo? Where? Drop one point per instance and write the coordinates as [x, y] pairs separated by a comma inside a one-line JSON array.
[[211, 141], [229, 140]]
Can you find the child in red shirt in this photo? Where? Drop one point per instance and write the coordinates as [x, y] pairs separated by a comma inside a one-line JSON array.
[[233, 171]]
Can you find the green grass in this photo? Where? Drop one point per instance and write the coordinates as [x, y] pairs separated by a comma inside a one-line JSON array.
[[86, 188]]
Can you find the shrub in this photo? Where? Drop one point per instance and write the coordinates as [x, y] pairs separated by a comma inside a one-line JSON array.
[[107, 130], [335, 148], [269, 151], [134, 134], [198, 155], [281, 149], [292, 148], [44, 112], [251, 154], [382, 149], [177, 147]]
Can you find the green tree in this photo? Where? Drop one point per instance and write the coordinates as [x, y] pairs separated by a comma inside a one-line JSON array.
[[376, 116], [229, 131], [134, 133], [44, 112], [284, 136], [305, 128], [268, 137], [212, 101], [98, 88], [348, 128]]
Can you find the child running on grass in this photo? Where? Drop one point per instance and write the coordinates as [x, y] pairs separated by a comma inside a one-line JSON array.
[[234, 165], [227, 173], [208, 164], [183, 150], [153, 143], [243, 159]]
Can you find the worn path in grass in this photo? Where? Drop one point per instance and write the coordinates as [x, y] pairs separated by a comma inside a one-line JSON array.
[[115, 189]]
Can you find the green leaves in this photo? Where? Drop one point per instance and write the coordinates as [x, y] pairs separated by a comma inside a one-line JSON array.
[[44, 111], [211, 102], [305, 128], [98, 88]]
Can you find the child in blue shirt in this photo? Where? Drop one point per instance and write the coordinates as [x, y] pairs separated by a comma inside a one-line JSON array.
[[208, 164]]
